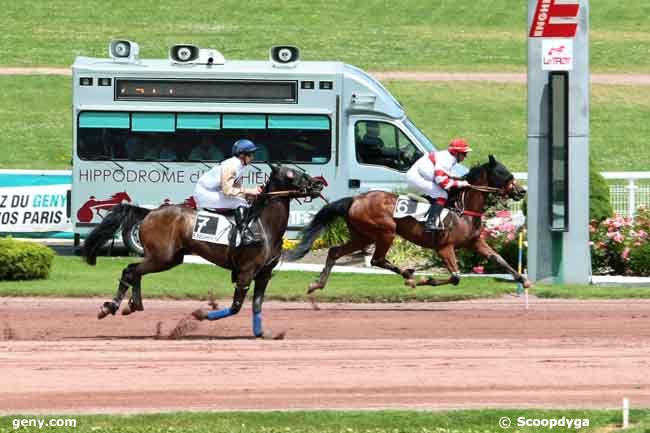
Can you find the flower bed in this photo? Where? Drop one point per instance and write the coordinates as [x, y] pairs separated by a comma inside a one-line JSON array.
[[619, 245]]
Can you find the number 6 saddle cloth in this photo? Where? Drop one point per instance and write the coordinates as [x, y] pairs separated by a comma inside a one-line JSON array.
[[416, 207]]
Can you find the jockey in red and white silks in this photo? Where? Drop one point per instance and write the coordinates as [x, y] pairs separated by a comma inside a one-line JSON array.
[[431, 175]]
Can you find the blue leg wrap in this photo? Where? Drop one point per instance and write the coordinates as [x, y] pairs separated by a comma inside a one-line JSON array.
[[257, 324], [219, 314]]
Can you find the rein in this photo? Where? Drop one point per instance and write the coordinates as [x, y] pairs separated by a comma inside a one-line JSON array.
[[488, 189], [460, 206], [288, 192]]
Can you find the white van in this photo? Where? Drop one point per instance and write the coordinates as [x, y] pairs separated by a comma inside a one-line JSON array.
[[145, 130]]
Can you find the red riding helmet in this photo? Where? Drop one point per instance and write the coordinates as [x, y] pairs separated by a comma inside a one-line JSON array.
[[459, 145]]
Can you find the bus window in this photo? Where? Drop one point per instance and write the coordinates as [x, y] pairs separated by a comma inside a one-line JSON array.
[[294, 138], [204, 147], [184, 137], [380, 143]]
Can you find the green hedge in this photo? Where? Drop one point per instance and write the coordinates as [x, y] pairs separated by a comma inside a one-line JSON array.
[[21, 260], [640, 260], [600, 207]]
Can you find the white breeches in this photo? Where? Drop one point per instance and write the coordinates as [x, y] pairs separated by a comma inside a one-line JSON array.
[[428, 187], [216, 199]]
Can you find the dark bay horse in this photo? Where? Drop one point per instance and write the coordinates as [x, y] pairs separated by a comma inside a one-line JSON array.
[[166, 235], [369, 217]]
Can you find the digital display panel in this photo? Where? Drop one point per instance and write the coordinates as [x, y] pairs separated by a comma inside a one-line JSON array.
[[284, 92], [559, 147]]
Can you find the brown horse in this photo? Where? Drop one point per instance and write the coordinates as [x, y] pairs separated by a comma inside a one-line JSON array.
[[166, 235], [369, 217]]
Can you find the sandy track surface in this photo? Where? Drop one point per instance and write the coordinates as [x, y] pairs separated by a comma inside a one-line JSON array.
[[57, 357], [499, 77]]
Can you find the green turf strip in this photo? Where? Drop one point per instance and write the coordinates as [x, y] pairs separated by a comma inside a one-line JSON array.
[[466, 421], [72, 277], [456, 35]]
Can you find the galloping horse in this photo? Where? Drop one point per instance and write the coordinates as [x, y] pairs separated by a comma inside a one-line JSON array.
[[166, 235], [369, 217]]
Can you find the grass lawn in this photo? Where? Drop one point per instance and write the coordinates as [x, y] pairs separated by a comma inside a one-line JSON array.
[[411, 34], [37, 121], [463, 421], [72, 277]]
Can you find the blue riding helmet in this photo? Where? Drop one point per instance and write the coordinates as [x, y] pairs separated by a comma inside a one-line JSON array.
[[243, 146]]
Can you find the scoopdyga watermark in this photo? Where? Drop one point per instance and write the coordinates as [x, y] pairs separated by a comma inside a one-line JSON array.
[[550, 423]]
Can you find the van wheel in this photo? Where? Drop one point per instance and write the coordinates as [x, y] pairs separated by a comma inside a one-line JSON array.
[[131, 238]]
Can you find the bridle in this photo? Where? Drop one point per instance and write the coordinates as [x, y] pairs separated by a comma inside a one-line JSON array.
[[295, 194], [503, 191]]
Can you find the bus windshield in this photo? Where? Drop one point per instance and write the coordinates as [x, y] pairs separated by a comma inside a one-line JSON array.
[[422, 139], [193, 137]]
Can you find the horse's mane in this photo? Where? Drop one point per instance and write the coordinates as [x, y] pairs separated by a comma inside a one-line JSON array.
[[471, 176], [474, 173], [261, 201]]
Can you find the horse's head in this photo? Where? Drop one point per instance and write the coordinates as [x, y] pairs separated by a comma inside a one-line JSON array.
[[284, 178], [498, 176]]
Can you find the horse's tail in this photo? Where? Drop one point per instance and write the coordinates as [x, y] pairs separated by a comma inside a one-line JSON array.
[[122, 215], [324, 216]]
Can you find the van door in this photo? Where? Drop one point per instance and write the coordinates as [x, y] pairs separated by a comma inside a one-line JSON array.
[[380, 155]]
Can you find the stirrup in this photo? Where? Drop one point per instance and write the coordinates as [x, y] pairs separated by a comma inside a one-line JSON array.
[[434, 227], [248, 237]]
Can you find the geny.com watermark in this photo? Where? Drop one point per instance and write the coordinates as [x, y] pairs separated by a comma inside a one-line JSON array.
[[41, 423], [550, 423]]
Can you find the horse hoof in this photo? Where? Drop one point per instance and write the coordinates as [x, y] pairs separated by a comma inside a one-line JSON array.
[[314, 305], [126, 311], [410, 283], [527, 284], [199, 314], [408, 273], [135, 307], [268, 335], [106, 309]]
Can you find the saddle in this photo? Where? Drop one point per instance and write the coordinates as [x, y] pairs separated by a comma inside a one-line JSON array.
[[227, 212]]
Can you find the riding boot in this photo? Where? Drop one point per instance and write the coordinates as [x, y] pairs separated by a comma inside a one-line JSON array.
[[433, 222], [243, 225]]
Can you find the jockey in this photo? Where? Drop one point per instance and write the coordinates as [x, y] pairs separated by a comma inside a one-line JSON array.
[[221, 188], [431, 175]]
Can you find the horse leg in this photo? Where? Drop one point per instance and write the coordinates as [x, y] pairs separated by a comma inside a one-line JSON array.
[[356, 242], [261, 281], [237, 302], [149, 265], [448, 255], [126, 281], [486, 251], [382, 245]]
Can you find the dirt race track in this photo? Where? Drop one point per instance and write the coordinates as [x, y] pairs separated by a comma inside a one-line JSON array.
[[55, 356]]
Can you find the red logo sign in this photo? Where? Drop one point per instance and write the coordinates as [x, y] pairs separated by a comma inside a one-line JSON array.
[[554, 20], [86, 212], [556, 50]]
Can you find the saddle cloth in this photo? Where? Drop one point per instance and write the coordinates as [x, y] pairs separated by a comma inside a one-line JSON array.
[[215, 228], [415, 207]]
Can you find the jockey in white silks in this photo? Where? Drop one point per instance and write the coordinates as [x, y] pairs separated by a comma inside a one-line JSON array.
[[431, 175], [221, 188]]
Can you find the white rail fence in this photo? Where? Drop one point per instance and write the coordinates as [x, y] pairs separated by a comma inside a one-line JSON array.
[[627, 190]]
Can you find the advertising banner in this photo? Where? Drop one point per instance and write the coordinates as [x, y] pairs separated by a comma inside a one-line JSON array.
[[35, 203]]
